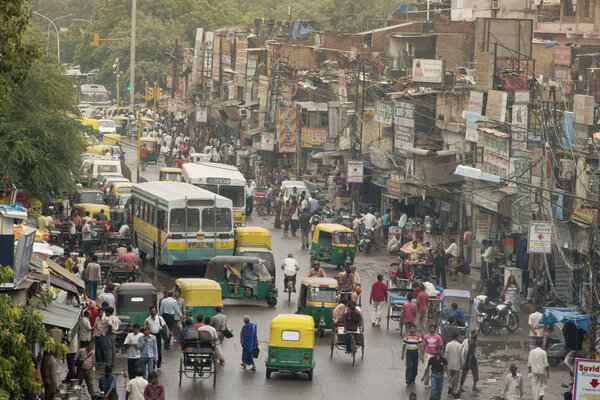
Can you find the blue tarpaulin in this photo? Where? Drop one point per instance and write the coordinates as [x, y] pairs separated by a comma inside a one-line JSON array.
[[403, 8], [553, 315]]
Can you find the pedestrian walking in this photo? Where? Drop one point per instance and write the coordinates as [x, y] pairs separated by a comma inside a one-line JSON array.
[[85, 329], [409, 311], [135, 388], [249, 191], [50, 375], [73, 344], [379, 296], [156, 324], [410, 349], [294, 217], [386, 220], [113, 323], [278, 209], [304, 221], [85, 361], [249, 342], [539, 371], [536, 330], [440, 261], [422, 306], [109, 297], [286, 215], [512, 293], [469, 361], [179, 318], [154, 390], [86, 234], [149, 352], [133, 353], [431, 341], [168, 309], [453, 356], [108, 384], [468, 244], [513, 385], [438, 365], [92, 275], [219, 322], [100, 331]]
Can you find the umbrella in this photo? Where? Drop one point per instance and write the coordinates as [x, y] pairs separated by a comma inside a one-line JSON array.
[[39, 235]]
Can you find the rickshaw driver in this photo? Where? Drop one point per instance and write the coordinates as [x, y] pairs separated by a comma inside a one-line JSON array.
[[290, 269], [316, 271], [352, 320], [347, 282]]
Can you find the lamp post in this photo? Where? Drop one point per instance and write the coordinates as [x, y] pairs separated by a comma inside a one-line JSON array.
[[117, 71], [55, 28], [132, 62]]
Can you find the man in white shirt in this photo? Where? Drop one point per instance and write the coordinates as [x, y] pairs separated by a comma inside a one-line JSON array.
[[402, 220], [513, 385], [290, 269], [452, 249], [536, 330], [213, 332], [539, 370], [113, 323], [155, 323], [168, 309], [109, 297], [453, 356], [369, 220], [135, 387], [133, 353], [249, 191]]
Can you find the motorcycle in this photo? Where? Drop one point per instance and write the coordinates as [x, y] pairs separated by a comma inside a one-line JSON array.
[[498, 316], [366, 240]]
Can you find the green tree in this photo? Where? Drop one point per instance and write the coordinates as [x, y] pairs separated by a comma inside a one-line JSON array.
[[41, 137], [21, 327]]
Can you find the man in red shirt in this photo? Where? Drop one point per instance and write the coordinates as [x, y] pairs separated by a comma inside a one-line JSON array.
[[422, 304], [409, 310], [129, 257], [144, 155], [379, 295]]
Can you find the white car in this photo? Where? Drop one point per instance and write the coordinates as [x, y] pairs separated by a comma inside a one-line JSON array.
[[287, 188], [107, 126]]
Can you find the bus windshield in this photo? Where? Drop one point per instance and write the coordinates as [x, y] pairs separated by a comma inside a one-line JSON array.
[[90, 198], [210, 188], [233, 193], [178, 221], [216, 220]]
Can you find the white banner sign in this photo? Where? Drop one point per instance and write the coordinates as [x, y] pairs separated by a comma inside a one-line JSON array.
[[201, 114], [540, 237], [354, 172], [587, 379], [424, 70]]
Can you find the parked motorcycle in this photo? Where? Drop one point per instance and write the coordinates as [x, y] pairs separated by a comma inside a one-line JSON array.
[[366, 240], [498, 316]]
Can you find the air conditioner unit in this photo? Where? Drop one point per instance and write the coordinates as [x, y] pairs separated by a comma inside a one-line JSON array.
[[495, 5], [566, 169]]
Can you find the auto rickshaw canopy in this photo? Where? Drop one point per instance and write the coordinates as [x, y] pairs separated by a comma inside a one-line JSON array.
[[292, 330], [253, 236], [332, 229], [200, 291], [235, 265]]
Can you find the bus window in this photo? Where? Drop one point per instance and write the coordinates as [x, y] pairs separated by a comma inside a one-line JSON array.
[[222, 217], [234, 193], [178, 220], [162, 220], [210, 188]]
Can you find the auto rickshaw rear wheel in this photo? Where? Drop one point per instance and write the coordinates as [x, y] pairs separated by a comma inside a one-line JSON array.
[[271, 301], [269, 371], [310, 375]]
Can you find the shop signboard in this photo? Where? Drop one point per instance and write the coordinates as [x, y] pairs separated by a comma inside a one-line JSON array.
[[287, 130], [404, 126], [394, 188], [445, 206], [172, 105], [314, 137], [475, 104], [583, 108], [562, 56], [379, 158], [428, 71], [540, 237], [485, 203], [384, 112], [495, 108], [586, 384], [266, 141], [482, 227], [201, 114], [496, 155], [354, 172]]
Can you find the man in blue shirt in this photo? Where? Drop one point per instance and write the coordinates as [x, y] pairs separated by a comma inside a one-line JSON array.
[[385, 223], [458, 315], [313, 205], [108, 384], [148, 352]]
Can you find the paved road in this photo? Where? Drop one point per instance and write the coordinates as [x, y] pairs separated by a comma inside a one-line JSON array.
[[380, 373]]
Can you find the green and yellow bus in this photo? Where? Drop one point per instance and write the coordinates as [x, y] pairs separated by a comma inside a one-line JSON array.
[[180, 224]]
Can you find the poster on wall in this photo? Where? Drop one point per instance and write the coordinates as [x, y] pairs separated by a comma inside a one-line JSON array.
[[354, 172], [482, 227], [314, 136], [496, 105], [287, 130], [429, 71], [404, 126], [540, 237], [266, 141], [201, 114], [475, 104], [384, 112]]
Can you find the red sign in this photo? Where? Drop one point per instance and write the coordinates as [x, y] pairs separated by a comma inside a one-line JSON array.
[[394, 188], [169, 82], [562, 56]]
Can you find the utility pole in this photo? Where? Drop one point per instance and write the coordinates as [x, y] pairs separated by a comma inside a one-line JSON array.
[[118, 72], [155, 97], [298, 141], [132, 64], [146, 92], [139, 135], [174, 68]]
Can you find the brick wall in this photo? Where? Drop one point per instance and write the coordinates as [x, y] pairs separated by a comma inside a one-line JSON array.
[[544, 59], [456, 50], [301, 57], [339, 40]]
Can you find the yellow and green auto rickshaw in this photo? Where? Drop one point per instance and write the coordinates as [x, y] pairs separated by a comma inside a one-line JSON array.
[[168, 174], [244, 278], [291, 345], [134, 299], [317, 298], [333, 244], [113, 139], [201, 296], [151, 146], [254, 241]]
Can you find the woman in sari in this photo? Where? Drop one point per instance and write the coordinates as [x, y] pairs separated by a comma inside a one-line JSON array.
[[248, 341]]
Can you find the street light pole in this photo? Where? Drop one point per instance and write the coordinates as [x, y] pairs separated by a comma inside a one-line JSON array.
[[132, 63], [55, 28], [118, 61]]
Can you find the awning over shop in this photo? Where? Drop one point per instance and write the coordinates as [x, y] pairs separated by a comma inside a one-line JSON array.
[[553, 315], [65, 274], [61, 315], [321, 154]]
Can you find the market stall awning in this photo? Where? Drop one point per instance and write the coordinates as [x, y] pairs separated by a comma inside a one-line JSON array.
[[553, 315], [60, 315], [65, 274]]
